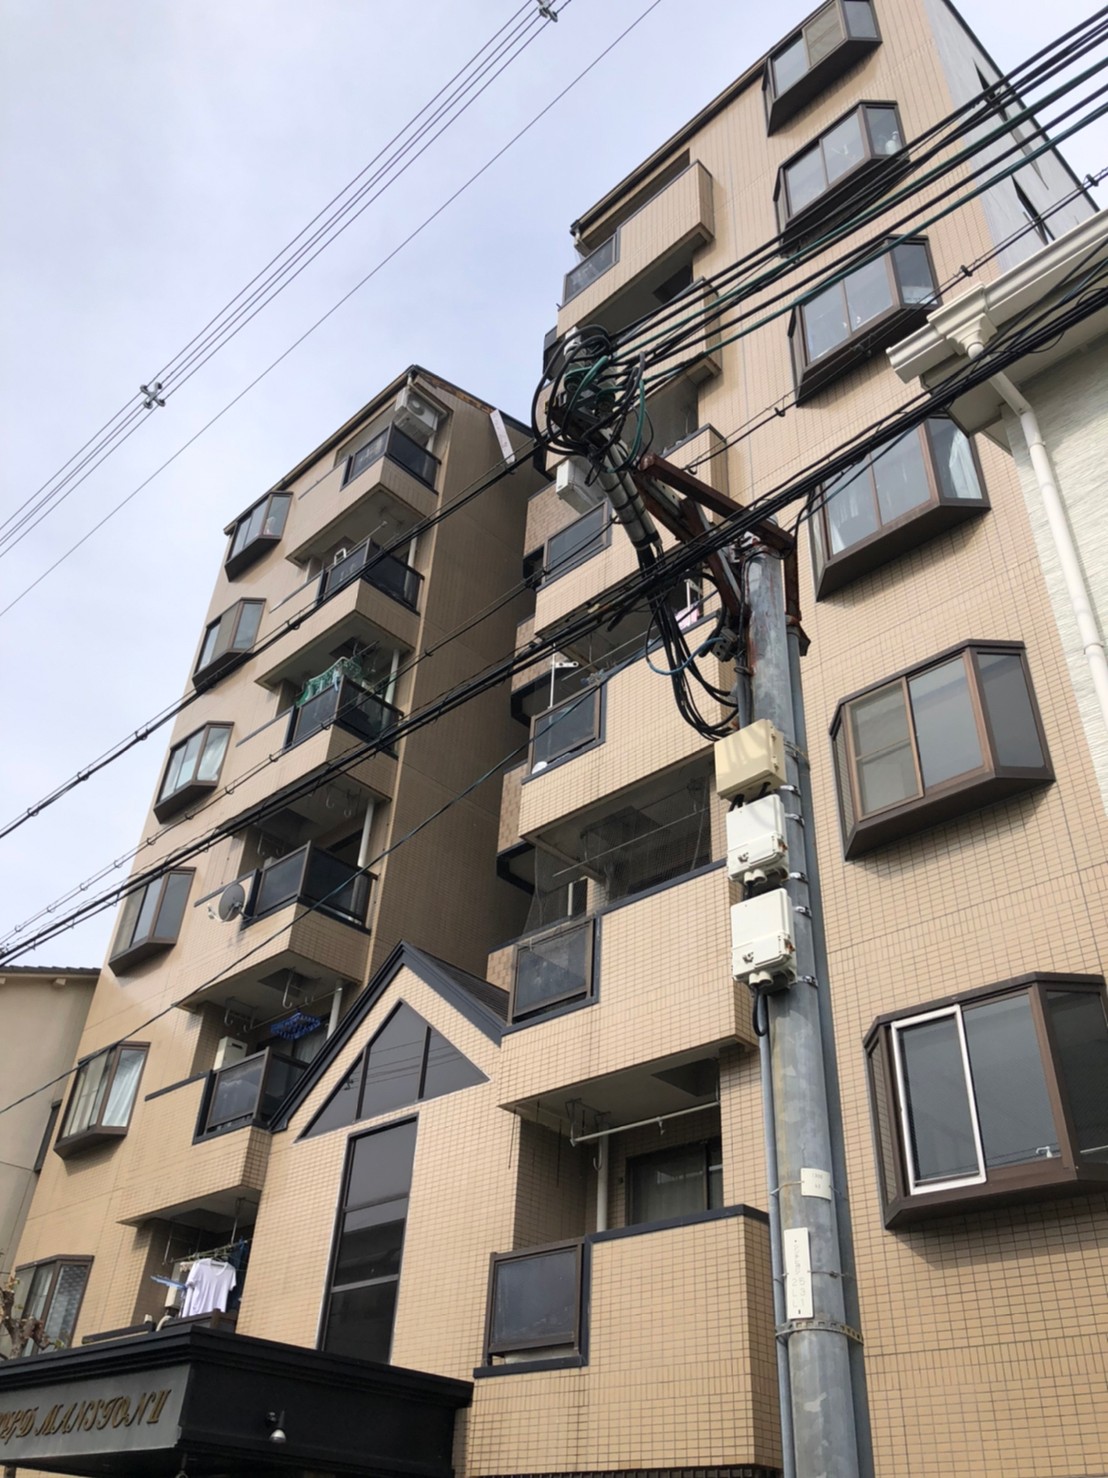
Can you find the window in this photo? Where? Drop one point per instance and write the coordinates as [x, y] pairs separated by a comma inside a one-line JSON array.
[[227, 638], [365, 1269], [193, 768], [102, 1098], [534, 1307], [854, 150], [1001, 1092], [939, 740], [553, 970], [579, 541], [833, 40], [256, 532], [866, 310], [916, 487], [1034, 219], [565, 729], [48, 1300], [151, 919], [406, 1062], [682, 1181]]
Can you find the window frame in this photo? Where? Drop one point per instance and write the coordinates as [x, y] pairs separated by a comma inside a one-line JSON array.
[[122, 957], [812, 374], [29, 1269], [783, 104], [96, 1131], [907, 531], [1050, 1177], [238, 560], [582, 996], [504, 1348], [192, 789], [794, 225], [225, 653], [601, 541], [960, 794]]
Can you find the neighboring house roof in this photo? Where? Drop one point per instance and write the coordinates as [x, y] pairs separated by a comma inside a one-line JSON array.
[[483, 1005], [92, 971]]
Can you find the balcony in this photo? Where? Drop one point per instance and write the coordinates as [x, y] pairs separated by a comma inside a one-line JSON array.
[[397, 446], [170, 1175], [356, 614], [312, 877], [348, 705], [383, 571], [646, 249], [247, 1093], [709, 1349]]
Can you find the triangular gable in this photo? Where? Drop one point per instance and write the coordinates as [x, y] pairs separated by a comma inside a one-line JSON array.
[[407, 1061], [482, 1005]]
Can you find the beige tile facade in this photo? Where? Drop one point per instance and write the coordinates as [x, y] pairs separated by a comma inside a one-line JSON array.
[[984, 1331]]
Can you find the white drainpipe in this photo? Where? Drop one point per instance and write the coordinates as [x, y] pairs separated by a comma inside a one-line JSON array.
[[1092, 643], [601, 1163]]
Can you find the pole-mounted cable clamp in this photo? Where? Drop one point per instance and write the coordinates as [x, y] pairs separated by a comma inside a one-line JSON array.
[[826, 1326], [152, 395]]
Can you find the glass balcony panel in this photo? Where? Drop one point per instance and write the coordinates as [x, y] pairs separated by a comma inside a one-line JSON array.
[[366, 455], [279, 882], [589, 269], [411, 456], [283, 1075], [335, 885], [236, 1093], [535, 1301], [553, 969]]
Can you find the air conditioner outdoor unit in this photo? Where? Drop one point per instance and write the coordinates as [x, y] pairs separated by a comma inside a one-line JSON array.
[[763, 951], [175, 1297], [415, 416], [573, 486], [229, 1050], [756, 845]]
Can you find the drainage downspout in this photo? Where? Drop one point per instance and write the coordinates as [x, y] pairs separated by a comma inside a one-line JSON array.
[[601, 1163], [1092, 643]]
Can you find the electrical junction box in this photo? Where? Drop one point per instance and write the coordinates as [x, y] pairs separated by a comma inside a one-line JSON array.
[[756, 845], [573, 487], [763, 952], [750, 761]]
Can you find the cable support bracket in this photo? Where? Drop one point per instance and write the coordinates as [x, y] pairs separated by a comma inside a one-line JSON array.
[[825, 1326], [152, 395]]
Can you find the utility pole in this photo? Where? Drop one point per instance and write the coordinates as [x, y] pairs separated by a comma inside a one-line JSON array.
[[820, 1375]]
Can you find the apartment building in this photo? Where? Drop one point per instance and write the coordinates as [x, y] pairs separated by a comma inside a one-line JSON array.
[[515, 1161]]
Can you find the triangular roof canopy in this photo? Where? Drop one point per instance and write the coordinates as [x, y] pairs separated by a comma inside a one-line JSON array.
[[483, 1005]]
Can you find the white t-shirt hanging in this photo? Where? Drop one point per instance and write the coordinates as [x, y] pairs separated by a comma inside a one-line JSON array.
[[207, 1287]]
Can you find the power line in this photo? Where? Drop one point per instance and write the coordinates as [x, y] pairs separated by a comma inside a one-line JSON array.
[[335, 307]]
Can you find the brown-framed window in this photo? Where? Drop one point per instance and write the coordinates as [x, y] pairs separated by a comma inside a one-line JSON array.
[[534, 1302], [192, 769], [51, 1293], [918, 486], [683, 1180], [863, 312], [865, 145], [360, 1304], [151, 918], [577, 542], [256, 532], [992, 1094], [949, 736], [565, 728], [553, 970], [836, 37], [47, 1135], [228, 637], [102, 1098]]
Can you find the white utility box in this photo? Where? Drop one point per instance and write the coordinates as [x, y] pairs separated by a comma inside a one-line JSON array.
[[756, 845], [229, 1050], [571, 479], [416, 417], [750, 762], [762, 949]]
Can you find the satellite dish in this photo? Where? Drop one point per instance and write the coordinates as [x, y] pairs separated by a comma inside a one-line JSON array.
[[232, 901]]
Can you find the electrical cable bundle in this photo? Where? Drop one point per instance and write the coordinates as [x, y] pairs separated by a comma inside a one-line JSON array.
[[589, 401]]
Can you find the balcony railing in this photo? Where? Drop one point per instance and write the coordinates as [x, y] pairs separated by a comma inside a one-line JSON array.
[[349, 706], [383, 571], [398, 447], [591, 267], [563, 730], [311, 876], [553, 970], [247, 1092]]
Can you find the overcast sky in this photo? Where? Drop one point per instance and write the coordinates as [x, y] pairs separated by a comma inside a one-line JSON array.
[[153, 157]]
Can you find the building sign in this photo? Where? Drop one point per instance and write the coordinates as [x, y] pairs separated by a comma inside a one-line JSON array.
[[135, 1412]]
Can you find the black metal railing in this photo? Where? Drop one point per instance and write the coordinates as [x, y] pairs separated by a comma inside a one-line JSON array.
[[349, 706], [249, 1091], [591, 267], [399, 448], [564, 729], [310, 875], [383, 571]]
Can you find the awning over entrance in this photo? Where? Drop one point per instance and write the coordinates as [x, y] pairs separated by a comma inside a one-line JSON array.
[[209, 1403]]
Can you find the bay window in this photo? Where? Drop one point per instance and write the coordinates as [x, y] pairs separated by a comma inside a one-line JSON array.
[[192, 769], [102, 1098]]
